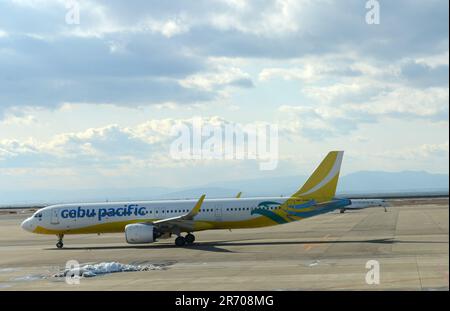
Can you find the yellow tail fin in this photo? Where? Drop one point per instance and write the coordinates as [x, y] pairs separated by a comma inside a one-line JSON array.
[[321, 185]]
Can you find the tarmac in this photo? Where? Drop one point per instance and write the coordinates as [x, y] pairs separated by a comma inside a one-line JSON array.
[[408, 245]]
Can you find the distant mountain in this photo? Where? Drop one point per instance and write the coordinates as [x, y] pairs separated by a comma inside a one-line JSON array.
[[367, 182], [272, 186], [363, 182], [50, 196], [211, 192], [376, 181]]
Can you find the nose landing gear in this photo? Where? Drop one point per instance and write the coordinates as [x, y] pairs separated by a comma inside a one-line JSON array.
[[60, 243]]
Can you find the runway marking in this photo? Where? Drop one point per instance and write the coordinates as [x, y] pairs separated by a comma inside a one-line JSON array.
[[308, 247]]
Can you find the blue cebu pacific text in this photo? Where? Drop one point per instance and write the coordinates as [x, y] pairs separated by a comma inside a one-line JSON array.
[[127, 210]]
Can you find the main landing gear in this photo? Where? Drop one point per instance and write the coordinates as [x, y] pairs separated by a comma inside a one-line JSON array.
[[188, 239], [60, 243]]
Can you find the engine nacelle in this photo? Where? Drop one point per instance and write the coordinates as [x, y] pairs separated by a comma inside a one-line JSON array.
[[141, 233]]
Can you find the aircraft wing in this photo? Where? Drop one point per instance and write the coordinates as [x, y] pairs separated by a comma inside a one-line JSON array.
[[180, 223]]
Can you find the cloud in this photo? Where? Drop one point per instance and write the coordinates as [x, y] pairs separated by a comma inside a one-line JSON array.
[[317, 63], [221, 78], [159, 47], [326, 120], [423, 75], [148, 144], [424, 151], [317, 123], [107, 147], [430, 103]]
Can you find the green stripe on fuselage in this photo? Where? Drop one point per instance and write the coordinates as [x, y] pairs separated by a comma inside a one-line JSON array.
[[269, 214]]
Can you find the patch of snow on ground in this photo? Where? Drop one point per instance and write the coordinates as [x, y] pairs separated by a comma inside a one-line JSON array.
[[91, 270], [26, 278]]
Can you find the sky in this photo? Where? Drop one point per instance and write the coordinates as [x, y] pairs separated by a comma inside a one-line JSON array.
[[91, 102]]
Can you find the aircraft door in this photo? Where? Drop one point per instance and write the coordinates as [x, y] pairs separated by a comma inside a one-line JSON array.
[[218, 212], [55, 217]]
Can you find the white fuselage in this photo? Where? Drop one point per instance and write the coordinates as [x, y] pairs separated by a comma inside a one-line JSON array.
[[365, 203], [75, 216]]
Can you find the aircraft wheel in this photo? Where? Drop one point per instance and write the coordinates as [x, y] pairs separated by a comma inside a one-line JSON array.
[[190, 238], [180, 241], [59, 245]]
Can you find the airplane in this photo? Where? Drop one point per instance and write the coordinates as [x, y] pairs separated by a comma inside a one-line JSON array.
[[147, 221], [357, 204]]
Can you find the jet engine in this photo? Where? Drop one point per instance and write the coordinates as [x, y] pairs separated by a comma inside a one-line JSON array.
[[141, 233]]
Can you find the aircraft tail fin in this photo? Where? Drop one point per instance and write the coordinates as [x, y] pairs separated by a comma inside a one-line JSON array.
[[321, 185]]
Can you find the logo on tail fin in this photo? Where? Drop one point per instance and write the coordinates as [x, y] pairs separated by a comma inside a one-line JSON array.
[[314, 198]]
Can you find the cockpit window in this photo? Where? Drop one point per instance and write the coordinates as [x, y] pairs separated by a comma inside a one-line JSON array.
[[38, 215]]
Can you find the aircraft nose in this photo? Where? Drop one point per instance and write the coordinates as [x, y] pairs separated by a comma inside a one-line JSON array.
[[27, 225]]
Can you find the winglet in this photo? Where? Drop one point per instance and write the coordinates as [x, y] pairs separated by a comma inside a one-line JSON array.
[[196, 208], [238, 195]]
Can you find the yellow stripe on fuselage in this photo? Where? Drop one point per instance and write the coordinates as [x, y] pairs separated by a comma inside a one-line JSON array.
[[110, 227], [119, 226]]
